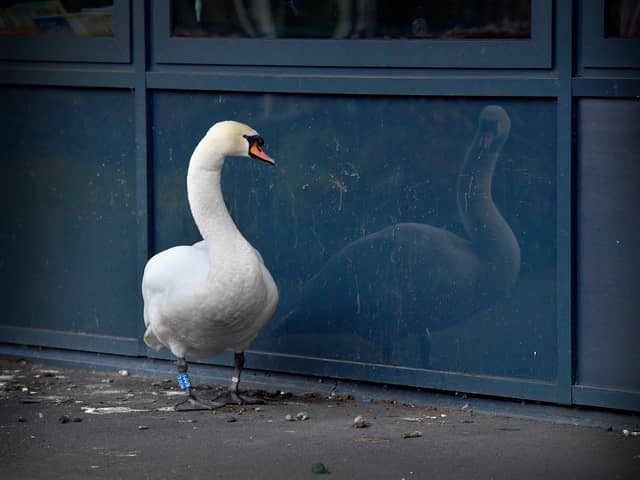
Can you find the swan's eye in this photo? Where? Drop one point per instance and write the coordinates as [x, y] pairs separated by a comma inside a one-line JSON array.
[[254, 139]]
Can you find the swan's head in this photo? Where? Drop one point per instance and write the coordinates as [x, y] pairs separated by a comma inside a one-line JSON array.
[[494, 126], [235, 139]]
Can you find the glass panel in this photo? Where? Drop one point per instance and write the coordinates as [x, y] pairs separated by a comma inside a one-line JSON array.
[[92, 18], [608, 326], [378, 224], [68, 237], [373, 19], [622, 18]]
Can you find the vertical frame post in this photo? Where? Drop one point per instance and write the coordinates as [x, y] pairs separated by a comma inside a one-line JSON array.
[[143, 179], [564, 148]]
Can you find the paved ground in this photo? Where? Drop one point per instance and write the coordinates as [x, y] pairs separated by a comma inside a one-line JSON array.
[[79, 424]]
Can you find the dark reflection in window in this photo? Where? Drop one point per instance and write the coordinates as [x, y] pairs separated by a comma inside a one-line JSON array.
[[358, 19], [84, 18], [622, 18]]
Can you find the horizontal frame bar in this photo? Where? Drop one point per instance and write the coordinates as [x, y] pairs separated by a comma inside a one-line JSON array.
[[354, 84], [69, 77], [606, 397], [69, 340], [606, 87], [271, 81], [393, 375]]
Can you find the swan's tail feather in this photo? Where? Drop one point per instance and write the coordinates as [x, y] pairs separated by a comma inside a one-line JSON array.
[[152, 341]]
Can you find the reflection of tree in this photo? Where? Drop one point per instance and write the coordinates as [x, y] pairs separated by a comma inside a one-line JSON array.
[[622, 18]]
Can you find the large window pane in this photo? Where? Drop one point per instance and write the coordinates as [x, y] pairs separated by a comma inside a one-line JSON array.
[[358, 19], [608, 244], [68, 225], [370, 227]]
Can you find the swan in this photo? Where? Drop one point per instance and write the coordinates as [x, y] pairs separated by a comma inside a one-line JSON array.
[[412, 278], [216, 294]]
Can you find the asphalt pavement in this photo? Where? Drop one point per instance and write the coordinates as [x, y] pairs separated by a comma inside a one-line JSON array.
[[69, 423]]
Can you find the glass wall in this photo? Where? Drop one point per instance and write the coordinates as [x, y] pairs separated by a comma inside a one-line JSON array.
[[414, 232]]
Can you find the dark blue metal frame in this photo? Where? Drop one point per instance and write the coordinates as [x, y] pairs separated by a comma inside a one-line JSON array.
[[605, 68], [115, 49], [143, 142], [525, 79], [269, 80], [532, 53], [70, 340], [564, 37]]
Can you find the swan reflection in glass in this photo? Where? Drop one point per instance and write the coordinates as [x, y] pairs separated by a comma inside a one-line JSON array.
[[441, 278]]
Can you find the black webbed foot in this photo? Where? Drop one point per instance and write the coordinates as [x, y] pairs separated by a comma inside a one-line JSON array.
[[234, 398]]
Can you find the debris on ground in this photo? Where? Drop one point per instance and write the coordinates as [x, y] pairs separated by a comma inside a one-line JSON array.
[[360, 422], [67, 419], [123, 373], [319, 468], [109, 410], [630, 433], [420, 419], [299, 417], [414, 434], [143, 427]]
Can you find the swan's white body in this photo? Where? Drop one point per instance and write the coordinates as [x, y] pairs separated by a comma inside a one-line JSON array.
[[216, 294]]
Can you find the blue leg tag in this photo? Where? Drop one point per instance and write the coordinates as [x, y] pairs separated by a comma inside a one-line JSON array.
[[183, 380]]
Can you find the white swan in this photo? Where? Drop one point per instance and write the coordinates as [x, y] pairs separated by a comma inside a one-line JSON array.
[[216, 294]]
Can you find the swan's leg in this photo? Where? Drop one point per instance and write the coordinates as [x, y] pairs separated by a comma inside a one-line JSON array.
[[232, 395], [191, 402]]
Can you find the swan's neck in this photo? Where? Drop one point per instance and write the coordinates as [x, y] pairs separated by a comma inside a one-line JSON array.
[[491, 236], [208, 207]]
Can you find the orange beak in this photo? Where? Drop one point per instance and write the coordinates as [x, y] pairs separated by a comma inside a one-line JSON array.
[[256, 152]]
